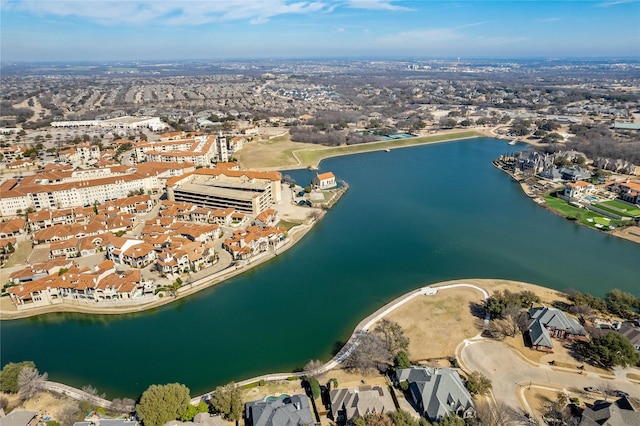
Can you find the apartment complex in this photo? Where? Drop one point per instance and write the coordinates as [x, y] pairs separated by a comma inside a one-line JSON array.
[[65, 189], [227, 186]]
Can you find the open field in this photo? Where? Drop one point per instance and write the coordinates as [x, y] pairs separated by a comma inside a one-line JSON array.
[[282, 153]]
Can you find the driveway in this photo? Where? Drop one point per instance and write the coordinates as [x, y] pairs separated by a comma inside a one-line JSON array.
[[509, 373]]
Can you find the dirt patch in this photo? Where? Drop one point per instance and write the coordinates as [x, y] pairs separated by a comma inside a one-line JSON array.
[[347, 379], [631, 233], [436, 324], [273, 154]]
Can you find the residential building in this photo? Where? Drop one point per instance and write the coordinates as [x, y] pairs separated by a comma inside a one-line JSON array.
[[226, 186], [288, 411], [118, 123], [578, 189], [623, 412], [347, 403], [437, 392], [324, 180], [551, 322]]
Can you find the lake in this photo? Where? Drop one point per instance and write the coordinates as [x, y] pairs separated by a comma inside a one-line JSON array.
[[411, 217]]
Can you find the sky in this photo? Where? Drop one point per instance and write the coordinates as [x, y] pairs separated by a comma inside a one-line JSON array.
[[103, 30]]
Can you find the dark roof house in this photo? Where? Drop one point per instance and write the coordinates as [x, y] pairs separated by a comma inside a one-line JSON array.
[[558, 324], [288, 411], [623, 412], [347, 403], [437, 392]]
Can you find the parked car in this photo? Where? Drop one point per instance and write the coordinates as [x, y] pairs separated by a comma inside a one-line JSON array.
[[620, 393], [592, 389]]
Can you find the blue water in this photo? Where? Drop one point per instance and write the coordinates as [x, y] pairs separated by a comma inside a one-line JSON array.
[[411, 217]]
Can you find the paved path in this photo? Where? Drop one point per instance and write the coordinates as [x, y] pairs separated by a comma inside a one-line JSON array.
[[362, 328]]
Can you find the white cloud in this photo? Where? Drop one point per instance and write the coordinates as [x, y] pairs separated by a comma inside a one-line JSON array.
[[615, 3], [549, 20], [171, 12], [376, 5]]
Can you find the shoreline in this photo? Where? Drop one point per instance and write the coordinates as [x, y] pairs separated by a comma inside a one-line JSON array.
[[618, 232], [296, 234]]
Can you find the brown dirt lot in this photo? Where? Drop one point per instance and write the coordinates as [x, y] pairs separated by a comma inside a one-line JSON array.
[[273, 154]]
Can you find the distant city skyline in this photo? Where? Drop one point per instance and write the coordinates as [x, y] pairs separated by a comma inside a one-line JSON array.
[[39, 30]]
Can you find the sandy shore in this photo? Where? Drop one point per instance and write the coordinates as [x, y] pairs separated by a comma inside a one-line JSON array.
[[9, 312]]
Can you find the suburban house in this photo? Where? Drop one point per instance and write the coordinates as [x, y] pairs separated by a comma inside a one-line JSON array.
[[437, 392], [578, 189], [631, 332], [347, 403], [623, 412], [268, 217], [324, 180], [130, 252], [546, 323], [288, 411]]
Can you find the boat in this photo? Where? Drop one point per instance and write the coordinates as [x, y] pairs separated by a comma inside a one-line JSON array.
[[513, 142], [387, 150]]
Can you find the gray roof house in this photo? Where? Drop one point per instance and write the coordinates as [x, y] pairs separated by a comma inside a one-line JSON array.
[[540, 337], [623, 412], [556, 322], [437, 392], [575, 173], [288, 411], [347, 403], [19, 418]]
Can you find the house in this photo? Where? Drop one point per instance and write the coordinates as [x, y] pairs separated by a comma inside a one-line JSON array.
[[20, 418], [578, 189], [539, 336], [288, 411], [623, 412], [575, 173], [631, 332], [347, 403], [12, 228], [437, 392], [557, 323], [268, 217], [324, 180]]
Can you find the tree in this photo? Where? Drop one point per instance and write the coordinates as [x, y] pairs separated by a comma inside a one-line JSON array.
[[451, 420], [373, 419], [162, 403], [193, 410], [227, 400], [122, 405], [478, 384], [401, 360], [9, 376], [311, 368], [404, 418], [610, 350], [30, 381], [371, 353], [70, 413], [314, 386], [393, 336]]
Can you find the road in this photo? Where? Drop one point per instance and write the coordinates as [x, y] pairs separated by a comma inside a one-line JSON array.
[[510, 374]]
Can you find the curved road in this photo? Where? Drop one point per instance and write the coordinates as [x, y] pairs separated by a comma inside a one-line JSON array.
[[511, 375]]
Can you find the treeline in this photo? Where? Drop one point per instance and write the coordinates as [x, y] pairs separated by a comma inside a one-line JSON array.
[[600, 141], [616, 302], [328, 137]]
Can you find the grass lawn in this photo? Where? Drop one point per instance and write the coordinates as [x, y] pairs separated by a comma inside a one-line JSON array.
[[312, 156], [619, 208], [582, 215], [281, 152], [286, 224]]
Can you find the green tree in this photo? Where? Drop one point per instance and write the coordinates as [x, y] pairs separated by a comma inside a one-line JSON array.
[[610, 350], [193, 410], [9, 376], [451, 420], [162, 403], [227, 400], [404, 418], [401, 360], [478, 384], [373, 419], [314, 385]]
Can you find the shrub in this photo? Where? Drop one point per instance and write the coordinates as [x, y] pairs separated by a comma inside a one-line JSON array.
[[314, 385], [262, 382]]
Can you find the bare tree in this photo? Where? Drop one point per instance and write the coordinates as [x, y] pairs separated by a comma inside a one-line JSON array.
[[69, 414], [123, 406], [371, 353], [93, 391], [312, 367], [393, 336], [30, 381]]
